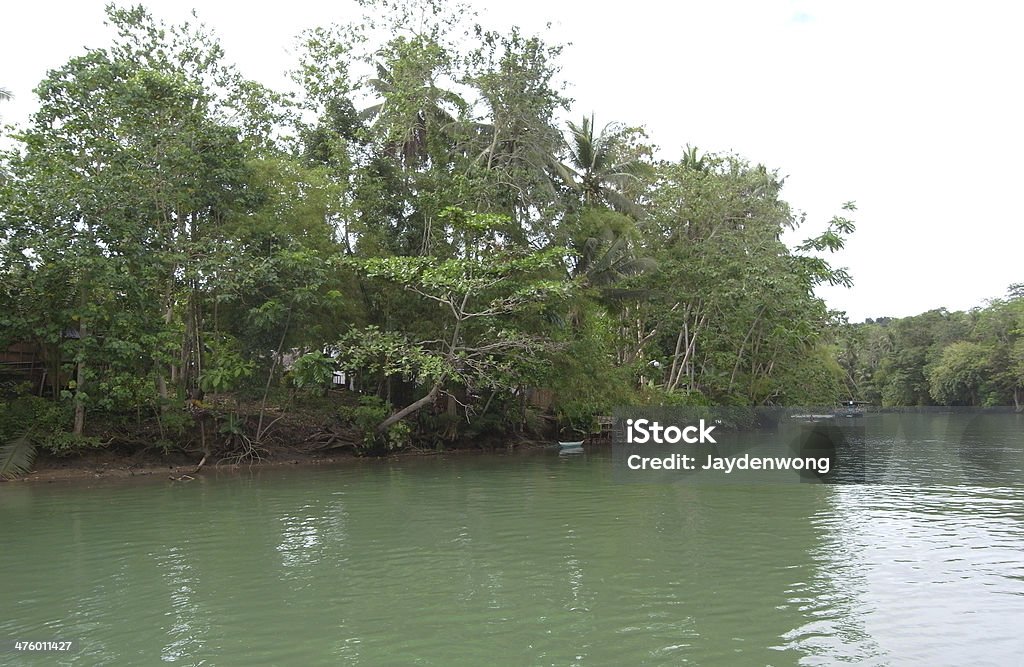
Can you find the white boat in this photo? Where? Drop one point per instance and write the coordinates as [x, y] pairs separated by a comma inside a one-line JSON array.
[[570, 445]]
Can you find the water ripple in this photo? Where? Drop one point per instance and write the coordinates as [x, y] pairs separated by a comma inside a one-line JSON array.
[[521, 560]]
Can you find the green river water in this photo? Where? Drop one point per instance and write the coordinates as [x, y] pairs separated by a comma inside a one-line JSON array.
[[522, 559]]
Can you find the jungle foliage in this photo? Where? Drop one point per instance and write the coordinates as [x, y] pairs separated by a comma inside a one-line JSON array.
[[973, 358], [416, 214]]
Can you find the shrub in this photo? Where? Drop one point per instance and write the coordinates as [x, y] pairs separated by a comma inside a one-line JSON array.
[[365, 417], [30, 423]]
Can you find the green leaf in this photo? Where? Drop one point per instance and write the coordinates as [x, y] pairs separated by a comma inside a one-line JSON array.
[[16, 456]]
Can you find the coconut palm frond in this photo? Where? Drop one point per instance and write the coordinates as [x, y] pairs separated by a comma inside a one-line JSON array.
[[566, 174], [628, 267], [608, 268], [370, 112], [623, 204], [380, 86], [16, 456], [600, 176], [5, 95]]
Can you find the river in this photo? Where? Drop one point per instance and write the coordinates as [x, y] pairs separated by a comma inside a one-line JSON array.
[[521, 559]]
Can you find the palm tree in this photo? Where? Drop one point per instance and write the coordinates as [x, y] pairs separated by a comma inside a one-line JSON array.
[[597, 169], [601, 170], [5, 94], [411, 129], [607, 256]]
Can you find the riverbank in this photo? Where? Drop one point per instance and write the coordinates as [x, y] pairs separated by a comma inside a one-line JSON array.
[[179, 467], [182, 467], [232, 432]]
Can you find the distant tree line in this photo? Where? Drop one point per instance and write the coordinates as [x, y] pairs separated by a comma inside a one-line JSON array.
[[973, 358]]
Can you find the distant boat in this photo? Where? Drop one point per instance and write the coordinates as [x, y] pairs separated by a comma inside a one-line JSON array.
[[569, 445]]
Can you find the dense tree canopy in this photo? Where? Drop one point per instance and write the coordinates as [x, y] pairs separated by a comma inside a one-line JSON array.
[[417, 216], [973, 358]]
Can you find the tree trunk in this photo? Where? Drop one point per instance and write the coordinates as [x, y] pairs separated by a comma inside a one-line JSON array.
[[192, 346], [409, 409], [683, 367], [161, 381], [80, 383], [743, 345]]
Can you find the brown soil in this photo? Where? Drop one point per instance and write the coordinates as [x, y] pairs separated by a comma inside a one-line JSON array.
[[109, 465], [182, 468]]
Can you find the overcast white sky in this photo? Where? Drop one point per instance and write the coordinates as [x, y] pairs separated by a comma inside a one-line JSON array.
[[915, 110]]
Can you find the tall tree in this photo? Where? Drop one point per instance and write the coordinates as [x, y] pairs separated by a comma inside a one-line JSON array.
[[740, 310], [600, 168], [514, 146], [128, 171], [480, 338]]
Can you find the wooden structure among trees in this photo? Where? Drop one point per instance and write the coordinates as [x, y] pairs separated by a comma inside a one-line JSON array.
[[22, 362]]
